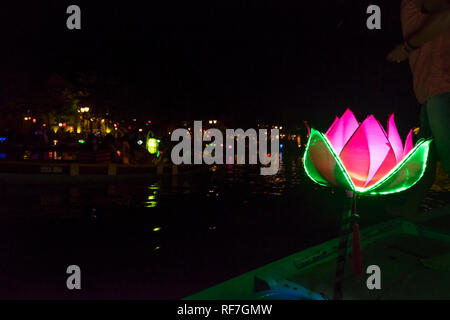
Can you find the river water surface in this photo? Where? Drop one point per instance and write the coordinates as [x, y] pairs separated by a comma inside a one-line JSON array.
[[162, 239]]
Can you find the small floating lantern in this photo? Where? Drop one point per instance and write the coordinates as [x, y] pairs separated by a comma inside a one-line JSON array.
[[152, 144]]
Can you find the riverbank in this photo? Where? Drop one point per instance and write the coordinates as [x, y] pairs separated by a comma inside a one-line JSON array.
[[36, 172]]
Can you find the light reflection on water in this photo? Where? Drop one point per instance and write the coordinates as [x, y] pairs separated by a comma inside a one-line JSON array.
[[152, 200]]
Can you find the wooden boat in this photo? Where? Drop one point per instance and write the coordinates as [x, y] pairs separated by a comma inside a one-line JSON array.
[[400, 248]]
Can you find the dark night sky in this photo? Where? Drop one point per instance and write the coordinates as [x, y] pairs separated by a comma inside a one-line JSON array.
[[287, 60]]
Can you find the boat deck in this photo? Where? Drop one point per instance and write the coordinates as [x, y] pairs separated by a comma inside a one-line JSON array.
[[400, 248], [403, 274]]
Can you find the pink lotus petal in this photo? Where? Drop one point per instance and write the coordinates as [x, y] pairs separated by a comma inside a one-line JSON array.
[[366, 151], [336, 119], [356, 157], [387, 165], [394, 139], [379, 145], [341, 131], [408, 143]]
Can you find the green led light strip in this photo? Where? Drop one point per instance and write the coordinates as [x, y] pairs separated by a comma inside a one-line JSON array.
[[305, 154], [338, 161], [403, 163]]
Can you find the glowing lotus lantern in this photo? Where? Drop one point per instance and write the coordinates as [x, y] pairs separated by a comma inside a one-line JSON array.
[[363, 158]]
